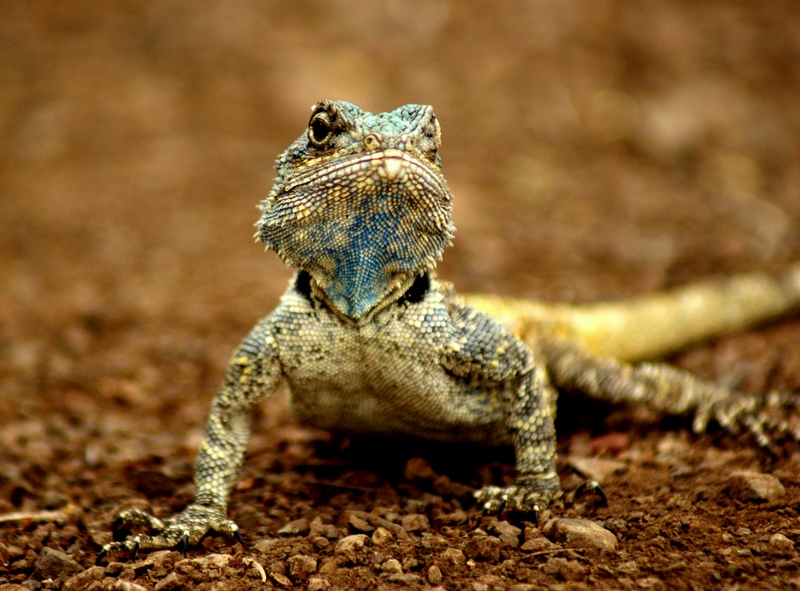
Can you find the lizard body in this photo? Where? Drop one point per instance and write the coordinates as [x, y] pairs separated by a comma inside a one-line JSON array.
[[370, 341]]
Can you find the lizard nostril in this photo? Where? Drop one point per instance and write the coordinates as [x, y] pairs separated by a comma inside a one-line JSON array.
[[371, 142]]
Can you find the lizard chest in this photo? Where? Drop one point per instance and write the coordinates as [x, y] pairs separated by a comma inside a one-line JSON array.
[[384, 377]]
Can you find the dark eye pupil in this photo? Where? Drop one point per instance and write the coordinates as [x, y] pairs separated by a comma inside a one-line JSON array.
[[319, 130]]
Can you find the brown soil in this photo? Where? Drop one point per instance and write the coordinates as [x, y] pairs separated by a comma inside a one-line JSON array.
[[594, 152]]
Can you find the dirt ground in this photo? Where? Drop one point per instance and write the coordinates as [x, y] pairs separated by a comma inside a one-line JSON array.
[[594, 152]]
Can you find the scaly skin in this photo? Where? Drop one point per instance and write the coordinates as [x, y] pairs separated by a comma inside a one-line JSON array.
[[370, 341]]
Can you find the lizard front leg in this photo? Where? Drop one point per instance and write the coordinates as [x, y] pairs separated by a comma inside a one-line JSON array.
[[529, 419], [252, 376]]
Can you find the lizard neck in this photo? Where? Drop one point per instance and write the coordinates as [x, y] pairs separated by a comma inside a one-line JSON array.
[[413, 289]]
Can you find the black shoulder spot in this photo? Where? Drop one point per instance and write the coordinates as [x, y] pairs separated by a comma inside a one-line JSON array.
[[417, 291], [302, 284]]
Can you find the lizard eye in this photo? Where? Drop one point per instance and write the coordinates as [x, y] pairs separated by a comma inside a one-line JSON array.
[[319, 130]]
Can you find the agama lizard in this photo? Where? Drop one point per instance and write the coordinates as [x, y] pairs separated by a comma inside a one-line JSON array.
[[369, 340]]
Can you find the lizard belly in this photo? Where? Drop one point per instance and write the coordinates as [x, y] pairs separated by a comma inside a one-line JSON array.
[[384, 379]]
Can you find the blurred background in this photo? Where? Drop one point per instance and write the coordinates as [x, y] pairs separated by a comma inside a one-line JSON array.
[[595, 150]]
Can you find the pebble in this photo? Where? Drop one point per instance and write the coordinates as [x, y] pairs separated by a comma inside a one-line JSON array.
[[350, 545], [507, 534], [53, 563], [280, 579], [415, 522], [359, 524], [301, 567], [172, 581], [381, 536], [317, 584], [122, 585], [405, 578], [434, 575], [569, 570], [780, 545], [418, 469], [535, 541], [453, 556], [392, 566], [581, 533], [483, 548], [83, 579], [628, 568], [293, 528], [754, 486]]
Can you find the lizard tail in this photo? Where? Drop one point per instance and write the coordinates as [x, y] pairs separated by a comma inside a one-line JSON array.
[[652, 325]]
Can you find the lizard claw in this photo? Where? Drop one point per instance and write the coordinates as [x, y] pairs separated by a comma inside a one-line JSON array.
[[101, 556], [185, 529], [587, 486], [529, 494]]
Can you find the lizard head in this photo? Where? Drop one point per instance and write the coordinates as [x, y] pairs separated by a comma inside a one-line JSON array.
[[360, 204]]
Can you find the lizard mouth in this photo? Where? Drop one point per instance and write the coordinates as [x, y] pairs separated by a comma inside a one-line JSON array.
[[390, 166], [361, 226]]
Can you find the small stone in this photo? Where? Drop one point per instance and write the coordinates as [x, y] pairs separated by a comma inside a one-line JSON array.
[[294, 528], [569, 570], [507, 534], [320, 542], [650, 583], [15, 552], [162, 561], [359, 524], [381, 536], [415, 522], [483, 548], [582, 533], [628, 568], [326, 530], [457, 517], [317, 584], [265, 545], [780, 545], [537, 545], [350, 545], [434, 575], [172, 581], [280, 579], [754, 486], [392, 566], [301, 567], [418, 469], [83, 579], [51, 564], [404, 578], [453, 557], [122, 585]]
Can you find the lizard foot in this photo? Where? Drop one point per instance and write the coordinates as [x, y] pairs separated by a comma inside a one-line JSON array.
[[185, 529], [529, 494], [737, 411]]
